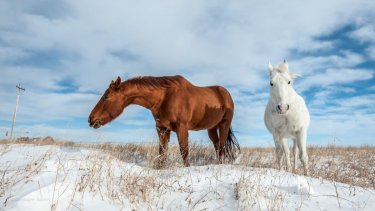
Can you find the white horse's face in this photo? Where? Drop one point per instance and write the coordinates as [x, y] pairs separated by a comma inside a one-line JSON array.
[[281, 89]]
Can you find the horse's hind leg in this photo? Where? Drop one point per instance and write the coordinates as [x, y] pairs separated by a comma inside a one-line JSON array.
[[212, 134], [224, 127], [164, 135]]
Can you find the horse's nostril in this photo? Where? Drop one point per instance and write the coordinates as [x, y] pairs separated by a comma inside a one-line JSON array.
[[89, 120], [287, 107]]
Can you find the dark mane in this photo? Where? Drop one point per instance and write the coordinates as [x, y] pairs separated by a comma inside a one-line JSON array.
[[157, 82]]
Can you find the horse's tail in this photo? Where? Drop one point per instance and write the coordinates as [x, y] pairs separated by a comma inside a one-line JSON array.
[[232, 148]]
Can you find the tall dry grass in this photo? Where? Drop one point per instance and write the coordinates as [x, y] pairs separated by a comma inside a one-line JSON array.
[[351, 165]]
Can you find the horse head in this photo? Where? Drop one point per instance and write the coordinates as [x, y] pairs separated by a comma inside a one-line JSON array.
[[110, 105], [281, 87]]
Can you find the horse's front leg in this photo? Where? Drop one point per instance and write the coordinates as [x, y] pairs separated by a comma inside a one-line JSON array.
[[295, 155], [279, 151], [164, 135], [183, 140], [286, 152], [301, 141]]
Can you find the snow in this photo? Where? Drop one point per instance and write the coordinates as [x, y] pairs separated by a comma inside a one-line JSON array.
[[62, 178]]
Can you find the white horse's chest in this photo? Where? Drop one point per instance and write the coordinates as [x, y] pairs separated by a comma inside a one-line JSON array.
[[285, 125]]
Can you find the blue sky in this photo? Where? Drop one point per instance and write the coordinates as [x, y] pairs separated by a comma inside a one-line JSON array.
[[65, 53]]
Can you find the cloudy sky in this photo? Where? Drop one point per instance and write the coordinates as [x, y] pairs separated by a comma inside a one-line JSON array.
[[65, 53]]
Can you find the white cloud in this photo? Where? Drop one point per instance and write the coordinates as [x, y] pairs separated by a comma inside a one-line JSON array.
[[328, 93], [364, 34], [310, 65], [348, 120], [32, 77], [10, 54], [353, 103], [226, 43], [315, 46], [371, 52], [186, 36], [348, 128], [334, 76]]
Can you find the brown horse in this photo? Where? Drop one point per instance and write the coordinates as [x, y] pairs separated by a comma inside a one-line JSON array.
[[177, 105]]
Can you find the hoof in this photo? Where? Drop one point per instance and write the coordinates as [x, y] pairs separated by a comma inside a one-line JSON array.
[[159, 163]]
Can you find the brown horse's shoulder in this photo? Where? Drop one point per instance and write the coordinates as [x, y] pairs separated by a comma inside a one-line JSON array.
[[182, 81]]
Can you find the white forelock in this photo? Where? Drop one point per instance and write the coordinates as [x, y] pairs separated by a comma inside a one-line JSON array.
[[282, 67]]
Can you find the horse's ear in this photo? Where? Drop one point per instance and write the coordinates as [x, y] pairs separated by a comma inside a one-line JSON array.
[[270, 68], [118, 80], [117, 83], [286, 64]]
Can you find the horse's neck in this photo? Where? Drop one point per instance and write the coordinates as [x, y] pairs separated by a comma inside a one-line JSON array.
[[143, 96], [294, 94]]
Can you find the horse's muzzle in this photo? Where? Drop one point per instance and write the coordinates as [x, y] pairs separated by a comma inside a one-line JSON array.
[[95, 124], [282, 109]]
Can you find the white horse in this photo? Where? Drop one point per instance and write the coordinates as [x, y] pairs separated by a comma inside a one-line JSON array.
[[286, 116]]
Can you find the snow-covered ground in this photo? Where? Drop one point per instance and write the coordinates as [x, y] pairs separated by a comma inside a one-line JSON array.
[[65, 178]]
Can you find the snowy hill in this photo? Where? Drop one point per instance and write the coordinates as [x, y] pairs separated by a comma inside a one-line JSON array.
[[66, 178]]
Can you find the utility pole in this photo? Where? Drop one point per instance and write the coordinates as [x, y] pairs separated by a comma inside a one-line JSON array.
[[19, 89]]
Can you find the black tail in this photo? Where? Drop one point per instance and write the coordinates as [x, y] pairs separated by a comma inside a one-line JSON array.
[[231, 146]]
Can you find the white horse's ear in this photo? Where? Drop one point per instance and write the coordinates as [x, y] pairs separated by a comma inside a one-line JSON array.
[[270, 68], [286, 64]]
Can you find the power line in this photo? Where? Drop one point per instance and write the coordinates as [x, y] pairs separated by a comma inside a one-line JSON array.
[[19, 89]]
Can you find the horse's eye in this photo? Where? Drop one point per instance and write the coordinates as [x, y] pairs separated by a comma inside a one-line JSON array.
[[105, 97], [271, 84], [288, 82]]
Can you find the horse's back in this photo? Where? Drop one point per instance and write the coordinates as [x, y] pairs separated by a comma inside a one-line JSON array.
[[205, 94], [200, 107], [214, 96], [205, 107]]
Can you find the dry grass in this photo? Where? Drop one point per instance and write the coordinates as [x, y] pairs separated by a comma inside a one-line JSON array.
[[252, 196], [114, 182], [12, 176], [102, 173], [351, 165]]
